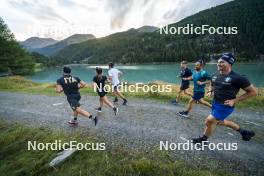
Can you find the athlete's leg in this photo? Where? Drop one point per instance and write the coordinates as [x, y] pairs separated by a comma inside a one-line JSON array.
[[101, 100], [107, 102], [210, 123], [179, 95], [187, 93], [229, 124], [203, 102], [190, 105], [79, 110], [75, 115], [119, 94]]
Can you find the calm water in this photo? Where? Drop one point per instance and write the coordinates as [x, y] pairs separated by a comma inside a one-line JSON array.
[[148, 73]]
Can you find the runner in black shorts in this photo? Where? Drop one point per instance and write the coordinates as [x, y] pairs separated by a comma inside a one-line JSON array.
[[70, 85], [226, 86], [185, 73], [99, 83]]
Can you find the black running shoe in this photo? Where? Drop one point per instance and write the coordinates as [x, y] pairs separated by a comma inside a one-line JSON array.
[[95, 119], [125, 102], [198, 140], [174, 102], [247, 135], [183, 114], [115, 109], [98, 109], [115, 100]]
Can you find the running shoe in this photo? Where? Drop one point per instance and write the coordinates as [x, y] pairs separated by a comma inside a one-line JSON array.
[[125, 102], [72, 122], [115, 109], [199, 140], [98, 109], [247, 135], [183, 114], [174, 102]]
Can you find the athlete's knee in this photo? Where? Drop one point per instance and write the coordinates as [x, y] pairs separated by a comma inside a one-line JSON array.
[[78, 109], [209, 121], [221, 123]]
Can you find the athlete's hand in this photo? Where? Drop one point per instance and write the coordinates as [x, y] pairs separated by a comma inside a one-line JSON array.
[[200, 83], [230, 102], [209, 93]]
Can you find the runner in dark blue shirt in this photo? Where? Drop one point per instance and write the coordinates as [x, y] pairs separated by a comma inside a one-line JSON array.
[[185, 73], [99, 84], [226, 86], [70, 85]]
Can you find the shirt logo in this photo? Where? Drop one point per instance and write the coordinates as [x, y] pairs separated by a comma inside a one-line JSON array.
[[214, 78], [227, 79]]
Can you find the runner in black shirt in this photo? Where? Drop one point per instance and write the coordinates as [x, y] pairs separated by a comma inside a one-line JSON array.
[[70, 85], [99, 83], [225, 86], [185, 73]]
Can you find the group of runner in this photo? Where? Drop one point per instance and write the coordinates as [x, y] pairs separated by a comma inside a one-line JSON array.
[[224, 86], [70, 85]]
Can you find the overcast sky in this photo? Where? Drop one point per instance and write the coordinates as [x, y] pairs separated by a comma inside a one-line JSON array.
[[59, 19]]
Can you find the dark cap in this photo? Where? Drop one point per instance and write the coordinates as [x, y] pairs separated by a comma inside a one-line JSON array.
[[228, 57], [67, 70], [184, 62], [201, 61], [111, 64]]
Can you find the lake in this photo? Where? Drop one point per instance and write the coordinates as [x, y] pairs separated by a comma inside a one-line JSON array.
[[148, 73]]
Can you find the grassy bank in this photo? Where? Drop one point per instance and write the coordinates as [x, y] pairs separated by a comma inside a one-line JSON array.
[[15, 159], [20, 84]]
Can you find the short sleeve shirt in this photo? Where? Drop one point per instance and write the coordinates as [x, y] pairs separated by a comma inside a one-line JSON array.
[[226, 87], [69, 84]]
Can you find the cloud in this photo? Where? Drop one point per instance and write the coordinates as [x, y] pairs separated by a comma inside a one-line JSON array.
[[37, 9], [61, 18], [118, 11]]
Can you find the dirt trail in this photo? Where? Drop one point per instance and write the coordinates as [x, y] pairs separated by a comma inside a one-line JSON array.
[[142, 125]]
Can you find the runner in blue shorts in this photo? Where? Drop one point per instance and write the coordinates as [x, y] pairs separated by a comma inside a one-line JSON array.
[[226, 85], [200, 78]]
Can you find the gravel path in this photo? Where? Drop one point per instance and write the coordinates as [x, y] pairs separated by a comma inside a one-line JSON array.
[[142, 124]]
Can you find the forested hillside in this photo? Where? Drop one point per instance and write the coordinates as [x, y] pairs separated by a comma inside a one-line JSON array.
[[13, 58]]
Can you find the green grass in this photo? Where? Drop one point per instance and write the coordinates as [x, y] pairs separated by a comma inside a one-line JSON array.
[[15, 159], [20, 84]]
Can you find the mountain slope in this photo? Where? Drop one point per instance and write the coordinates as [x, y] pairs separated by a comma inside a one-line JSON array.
[[77, 38], [35, 42], [137, 47], [147, 29]]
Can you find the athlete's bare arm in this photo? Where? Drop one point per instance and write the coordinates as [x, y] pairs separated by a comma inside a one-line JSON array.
[[250, 92], [94, 85], [210, 89], [203, 82], [188, 78], [120, 74], [81, 84], [110, 78], [59, 88]]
